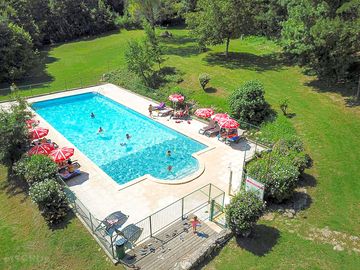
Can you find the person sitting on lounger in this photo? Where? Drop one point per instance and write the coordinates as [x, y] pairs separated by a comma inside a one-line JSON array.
[[70, 166]]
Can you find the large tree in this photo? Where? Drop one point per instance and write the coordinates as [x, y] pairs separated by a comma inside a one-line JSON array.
[[217, 22], [146, 9], [322, 36]]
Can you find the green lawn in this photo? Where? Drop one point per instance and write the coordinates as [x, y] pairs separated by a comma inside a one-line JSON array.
[[328, 128]]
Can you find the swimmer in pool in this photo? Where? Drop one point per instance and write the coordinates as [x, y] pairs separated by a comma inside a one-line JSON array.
[[92, 115], [100, 130]]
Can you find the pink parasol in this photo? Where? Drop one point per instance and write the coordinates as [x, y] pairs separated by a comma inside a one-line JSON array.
[[61, 154], [38, 132], [228, 123], [204, 112], [41, 149], [220, 116], [176, 98]]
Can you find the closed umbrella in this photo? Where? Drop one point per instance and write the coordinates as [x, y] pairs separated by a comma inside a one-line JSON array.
[[61, 154], [41, 149], [31, 123], [204, 112], [176, 98], [220, 116], [38, 133]]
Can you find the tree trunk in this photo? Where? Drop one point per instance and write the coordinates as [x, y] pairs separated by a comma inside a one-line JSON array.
[[227, 46], [358, 91]]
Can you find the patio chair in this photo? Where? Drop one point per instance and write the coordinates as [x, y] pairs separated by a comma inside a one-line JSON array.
[[213, 131], [165, 112], [211, 125], [131, 233], [112, 222], [159, 107]]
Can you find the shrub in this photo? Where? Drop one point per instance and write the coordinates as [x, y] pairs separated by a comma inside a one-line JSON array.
[[204, 79], [14, 134], [51, 200], [36, 168], [284, 104], [277, 172], [243, 212], [248, 104]]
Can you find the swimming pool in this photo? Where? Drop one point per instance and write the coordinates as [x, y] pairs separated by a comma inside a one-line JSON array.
[[144, 153]]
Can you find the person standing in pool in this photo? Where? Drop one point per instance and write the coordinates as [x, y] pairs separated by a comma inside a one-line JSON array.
[[100, 130], [128, 136], [92, 115], [169, 168], [168, 153]]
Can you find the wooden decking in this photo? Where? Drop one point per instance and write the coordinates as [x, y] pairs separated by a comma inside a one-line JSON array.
[[164, 250]]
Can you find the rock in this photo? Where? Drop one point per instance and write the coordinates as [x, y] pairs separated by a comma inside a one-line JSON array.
[[326, 232], [354, 238], [288, 213], [268, 216], [338, 248]]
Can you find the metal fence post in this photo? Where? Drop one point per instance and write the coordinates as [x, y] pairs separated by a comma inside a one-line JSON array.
[[112, 247], [182, 208], [150, 226], [209, 193], [255, 146], [212, 206], [230, 182], [91, 223]]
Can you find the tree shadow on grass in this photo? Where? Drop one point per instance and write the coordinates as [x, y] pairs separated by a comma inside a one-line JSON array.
[[177, 40], [63, 224], [38, 77], [345, 89], [261, 241], [14, 186], [210, 90], [183, 51], [237, 60]]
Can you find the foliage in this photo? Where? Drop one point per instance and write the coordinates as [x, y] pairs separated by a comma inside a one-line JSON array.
[[323, 37], [247, 103], [217, 22], [277, 172], [139, 60], [51, 200], [284, 104], [153, 43], [16, 51], [14, 135], [145, 10], [204, 79], [36, 168], [243, 211]]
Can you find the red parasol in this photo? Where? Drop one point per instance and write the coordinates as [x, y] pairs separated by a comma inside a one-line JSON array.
[[176, 98], [38, 133], [61, 154], [31, 123], [204, 113], [228, 123], [220, 116], [41, 149]]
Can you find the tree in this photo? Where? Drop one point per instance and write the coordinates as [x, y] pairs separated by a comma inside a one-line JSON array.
[[153, 44], [146, 9], [14, 135], [51, 199], [218, 22], [16, 51], [323, 36], [243, 212], [248, 103], [139, 60]]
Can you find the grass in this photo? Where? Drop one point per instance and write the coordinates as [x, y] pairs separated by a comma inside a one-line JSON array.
[[329, 129], [26, 242]]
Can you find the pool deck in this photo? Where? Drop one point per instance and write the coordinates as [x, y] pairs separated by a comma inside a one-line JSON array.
[[102, 195]]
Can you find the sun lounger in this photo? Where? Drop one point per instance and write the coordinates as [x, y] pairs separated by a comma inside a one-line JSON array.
[[66, 175], [211, 125], [165, 112], [234, 139], [213, 131], [159, 107]]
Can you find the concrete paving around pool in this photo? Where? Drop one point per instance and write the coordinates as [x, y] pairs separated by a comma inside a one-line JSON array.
[[138, 199]]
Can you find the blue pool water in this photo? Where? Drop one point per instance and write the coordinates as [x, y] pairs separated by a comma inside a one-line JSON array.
[[144, 153]]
